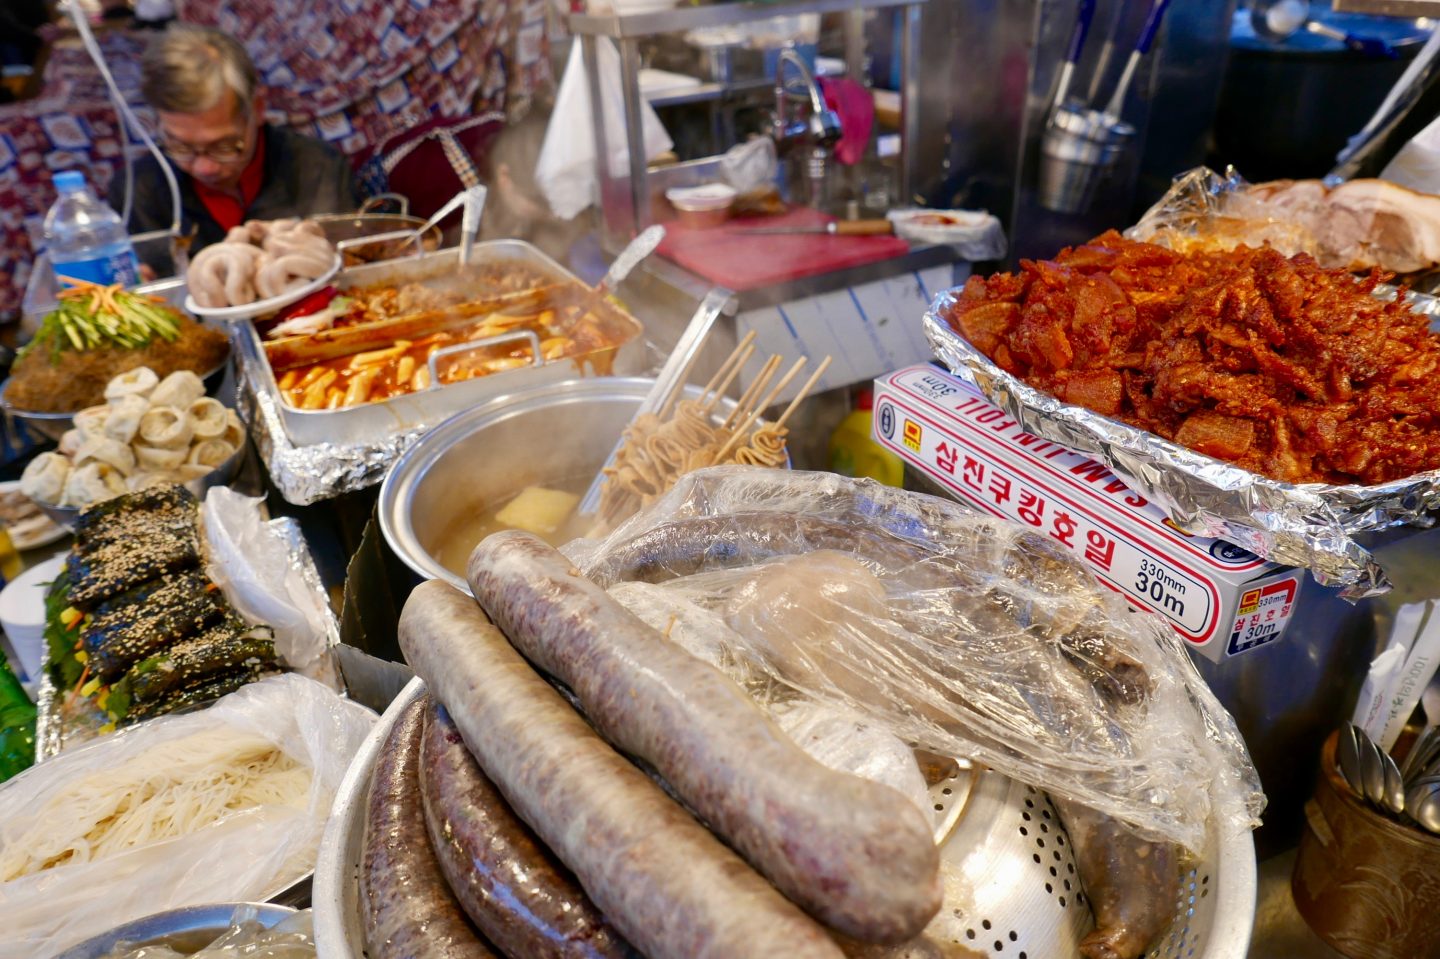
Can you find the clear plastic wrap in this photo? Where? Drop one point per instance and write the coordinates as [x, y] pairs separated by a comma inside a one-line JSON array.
[[250, 560], [1354, 225], [839, 739], [1206, 209], [963, 635], [246, 854]]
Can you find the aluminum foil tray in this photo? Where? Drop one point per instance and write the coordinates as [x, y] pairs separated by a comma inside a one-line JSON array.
[[1013, 875], [316, 455], [1309, 525], [52, 733]]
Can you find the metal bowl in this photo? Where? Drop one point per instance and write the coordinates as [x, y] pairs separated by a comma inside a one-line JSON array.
[[336, 893], [221, 475], [163, 925], [557, 435], [1019, 882], [341, 227], [54, 425]]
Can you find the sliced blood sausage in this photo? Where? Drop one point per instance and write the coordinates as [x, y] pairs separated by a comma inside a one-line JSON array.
[[855, 854], [669, 886], [517, 893], [409, 911], [1132, 883]]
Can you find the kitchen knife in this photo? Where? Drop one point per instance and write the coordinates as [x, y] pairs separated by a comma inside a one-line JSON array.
[[838, 228]]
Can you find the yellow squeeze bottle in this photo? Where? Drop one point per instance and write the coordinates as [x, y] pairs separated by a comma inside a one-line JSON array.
[[853, 450]]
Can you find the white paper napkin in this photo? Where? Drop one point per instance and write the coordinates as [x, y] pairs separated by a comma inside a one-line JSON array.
[[566, 168]]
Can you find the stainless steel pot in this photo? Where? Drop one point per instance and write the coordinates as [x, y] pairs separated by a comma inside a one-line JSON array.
[[556, 435], [193, 922]]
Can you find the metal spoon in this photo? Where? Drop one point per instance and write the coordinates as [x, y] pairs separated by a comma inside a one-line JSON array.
[[1372, 769], [1422, 803], [1394, 785], [1423, 753], [1349, 755]]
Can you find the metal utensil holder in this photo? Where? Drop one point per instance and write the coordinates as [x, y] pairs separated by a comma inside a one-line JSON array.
[[1079, 149]]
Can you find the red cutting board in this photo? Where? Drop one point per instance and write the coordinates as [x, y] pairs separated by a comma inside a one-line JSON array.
[[742, 262]]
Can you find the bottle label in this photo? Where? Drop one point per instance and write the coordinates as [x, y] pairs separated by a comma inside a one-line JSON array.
[[112, 267]]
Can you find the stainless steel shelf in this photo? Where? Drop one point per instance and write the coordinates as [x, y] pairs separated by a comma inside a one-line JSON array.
[[1390, 8], [714, 15], [706, 92]]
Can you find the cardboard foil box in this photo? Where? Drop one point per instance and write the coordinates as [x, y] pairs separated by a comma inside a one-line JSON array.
[[1223, 600]]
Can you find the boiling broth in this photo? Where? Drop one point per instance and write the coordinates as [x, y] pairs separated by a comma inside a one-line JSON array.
[[466, 529]]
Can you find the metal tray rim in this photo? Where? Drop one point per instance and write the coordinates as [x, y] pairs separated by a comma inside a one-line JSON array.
[[301, 426]]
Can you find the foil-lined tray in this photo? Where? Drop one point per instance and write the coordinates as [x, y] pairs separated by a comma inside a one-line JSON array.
[[1311, 525], [313, 455], [319, 471], [53, 733]]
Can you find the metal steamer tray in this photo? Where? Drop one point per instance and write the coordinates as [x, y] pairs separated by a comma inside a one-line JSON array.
[[1012, 890], [368, 422]]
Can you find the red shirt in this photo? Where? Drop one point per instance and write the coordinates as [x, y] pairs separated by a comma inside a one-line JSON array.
[[227, 209]]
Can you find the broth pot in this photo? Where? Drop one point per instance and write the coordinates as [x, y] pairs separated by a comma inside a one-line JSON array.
[[440, 498]]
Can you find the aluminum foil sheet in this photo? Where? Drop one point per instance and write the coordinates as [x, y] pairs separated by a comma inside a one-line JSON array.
[[1308, 525], [307, 474], [53, 733]]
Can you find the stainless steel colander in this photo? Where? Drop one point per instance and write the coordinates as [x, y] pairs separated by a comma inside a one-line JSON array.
[[1012, 891], [1011, 888]]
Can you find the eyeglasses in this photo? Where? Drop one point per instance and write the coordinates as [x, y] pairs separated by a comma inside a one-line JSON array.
[[226, 151]]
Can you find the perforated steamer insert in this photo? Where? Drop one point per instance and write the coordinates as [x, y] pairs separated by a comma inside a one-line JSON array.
[[1012, 889]]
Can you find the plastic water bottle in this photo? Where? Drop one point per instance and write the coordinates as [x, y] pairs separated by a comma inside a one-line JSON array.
[[86, 238]]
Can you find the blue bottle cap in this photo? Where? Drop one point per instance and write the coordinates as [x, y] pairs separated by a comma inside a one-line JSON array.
[[69, 181]]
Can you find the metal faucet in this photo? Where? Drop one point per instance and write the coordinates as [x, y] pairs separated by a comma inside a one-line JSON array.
[[820, 130]]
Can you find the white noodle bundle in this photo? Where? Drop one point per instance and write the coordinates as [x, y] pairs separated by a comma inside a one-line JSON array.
[[173, 790]]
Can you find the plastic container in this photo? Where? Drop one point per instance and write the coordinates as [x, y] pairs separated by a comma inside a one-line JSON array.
[[853, 450], [85, 238], [701, 207]]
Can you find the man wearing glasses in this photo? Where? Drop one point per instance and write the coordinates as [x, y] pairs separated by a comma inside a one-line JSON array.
[[231, 165]]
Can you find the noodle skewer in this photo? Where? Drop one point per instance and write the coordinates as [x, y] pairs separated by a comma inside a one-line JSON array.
[[656, 451], [744, 427]]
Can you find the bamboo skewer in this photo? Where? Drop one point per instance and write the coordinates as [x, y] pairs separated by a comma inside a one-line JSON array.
[[749, 396], [804, 391], [743, 429], [725, 367], [709, 404]]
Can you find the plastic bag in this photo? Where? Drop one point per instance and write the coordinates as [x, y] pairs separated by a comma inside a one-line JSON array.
[[250, 561], [964, 635], [835, 738], [247, 855], [1355, 226], [1205, 210], [566, 168], [975, 235]]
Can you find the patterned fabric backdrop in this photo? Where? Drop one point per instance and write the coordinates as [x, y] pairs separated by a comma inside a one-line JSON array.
[[351, 72]]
